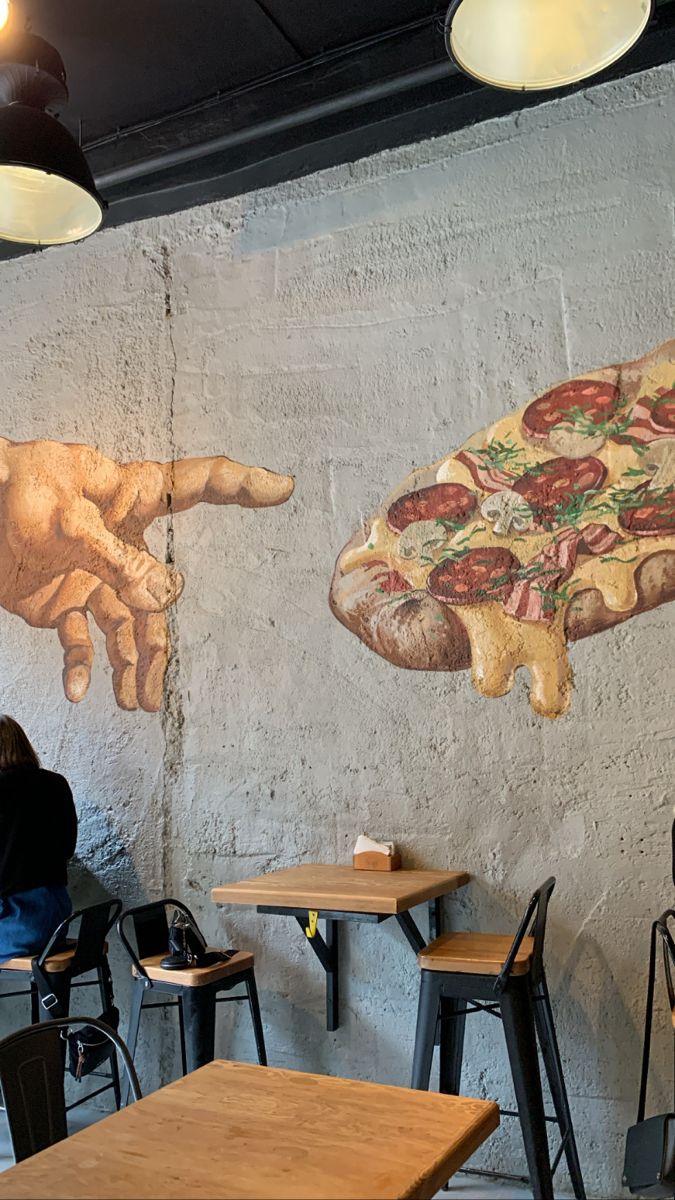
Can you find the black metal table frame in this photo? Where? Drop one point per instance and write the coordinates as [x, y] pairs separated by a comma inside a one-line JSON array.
[[327, 948]]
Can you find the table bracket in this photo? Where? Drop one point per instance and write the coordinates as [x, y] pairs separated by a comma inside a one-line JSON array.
[[326, 947], [333, 915], [411, 931], [327, 952]]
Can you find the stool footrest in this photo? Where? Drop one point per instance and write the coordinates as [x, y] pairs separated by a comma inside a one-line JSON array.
[[561, 1149], [98, 1091], [487, 1173], [508, 1112], [475, 1006]]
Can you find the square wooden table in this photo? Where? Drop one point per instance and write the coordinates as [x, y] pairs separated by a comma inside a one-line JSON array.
[[231, 1131], [339, 893]]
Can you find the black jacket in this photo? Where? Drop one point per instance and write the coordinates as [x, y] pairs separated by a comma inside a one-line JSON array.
[[38, 829]]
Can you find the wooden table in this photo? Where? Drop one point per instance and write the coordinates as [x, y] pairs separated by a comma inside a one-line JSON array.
[[241, 1132], [339, 893]]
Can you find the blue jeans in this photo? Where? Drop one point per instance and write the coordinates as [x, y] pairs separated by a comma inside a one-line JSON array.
[[28, 919]]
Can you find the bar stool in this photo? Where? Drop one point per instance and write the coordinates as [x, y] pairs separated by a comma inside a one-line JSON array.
[[196, 989], [464, 973], [62, 964]]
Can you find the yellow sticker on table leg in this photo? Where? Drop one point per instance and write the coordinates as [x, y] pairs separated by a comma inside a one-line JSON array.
[[313, 917]]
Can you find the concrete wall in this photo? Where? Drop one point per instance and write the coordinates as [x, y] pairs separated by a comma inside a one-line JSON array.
[[344, 328]]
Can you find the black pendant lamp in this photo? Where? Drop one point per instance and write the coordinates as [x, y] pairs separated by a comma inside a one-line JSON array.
[[532, 45], [47, 192]]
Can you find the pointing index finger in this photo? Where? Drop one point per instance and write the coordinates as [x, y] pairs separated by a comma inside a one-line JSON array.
[[181, 485]]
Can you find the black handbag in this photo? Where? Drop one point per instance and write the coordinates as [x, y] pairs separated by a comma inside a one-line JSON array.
[[186, 944], [649, 1163], [187, 947], [87, 1047]]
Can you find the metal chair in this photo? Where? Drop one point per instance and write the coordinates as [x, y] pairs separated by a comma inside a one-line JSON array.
[[31, 1081], [649, 1157], [465, 973], [195, 988], [660, 929], [63, 962]]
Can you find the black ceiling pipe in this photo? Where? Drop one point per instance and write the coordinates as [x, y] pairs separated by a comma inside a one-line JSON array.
[[156, 163]]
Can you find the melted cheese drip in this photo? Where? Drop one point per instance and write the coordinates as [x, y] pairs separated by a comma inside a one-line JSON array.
[[500, 644]]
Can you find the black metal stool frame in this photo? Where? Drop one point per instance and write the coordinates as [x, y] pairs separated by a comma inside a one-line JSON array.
[[196, 1004], [523, 1004], [96, 921]]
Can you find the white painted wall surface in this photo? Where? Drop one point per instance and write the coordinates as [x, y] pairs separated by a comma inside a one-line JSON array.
[[344, 328]]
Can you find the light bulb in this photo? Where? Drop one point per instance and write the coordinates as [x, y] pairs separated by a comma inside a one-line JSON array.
[[538, 44], [4, 13]]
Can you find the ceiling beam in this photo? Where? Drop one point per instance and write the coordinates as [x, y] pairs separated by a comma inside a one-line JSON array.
[[394, 91]]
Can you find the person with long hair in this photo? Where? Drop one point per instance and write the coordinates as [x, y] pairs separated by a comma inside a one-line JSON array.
[[38, 834]]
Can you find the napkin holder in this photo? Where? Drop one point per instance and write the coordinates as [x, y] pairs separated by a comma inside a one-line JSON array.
[[375, 856], [372, 860]]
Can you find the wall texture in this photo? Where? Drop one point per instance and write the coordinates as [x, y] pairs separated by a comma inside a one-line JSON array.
[[344, 328]]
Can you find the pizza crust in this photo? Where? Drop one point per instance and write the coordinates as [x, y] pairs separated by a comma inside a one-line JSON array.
[[421, 634]]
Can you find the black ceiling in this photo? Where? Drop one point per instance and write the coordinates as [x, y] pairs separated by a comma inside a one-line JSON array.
[[182, 101]]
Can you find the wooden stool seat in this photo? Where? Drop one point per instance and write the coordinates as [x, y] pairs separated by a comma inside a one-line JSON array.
[[60, 961], [56, 962], [195, 976], [475, 954]]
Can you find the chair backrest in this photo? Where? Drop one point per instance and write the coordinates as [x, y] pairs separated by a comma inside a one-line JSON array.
[[150, 925], [95, 923], [666, 936], [31, 1080], [533, 924], [660, 929]]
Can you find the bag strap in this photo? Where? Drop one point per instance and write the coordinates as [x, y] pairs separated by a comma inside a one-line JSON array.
[[197, 933], [49, 1001], [647, 1045]]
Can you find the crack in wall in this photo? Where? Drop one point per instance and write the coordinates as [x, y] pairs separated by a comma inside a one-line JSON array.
[[173, 715]]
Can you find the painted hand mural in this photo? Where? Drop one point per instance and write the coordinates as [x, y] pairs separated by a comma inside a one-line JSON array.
[[72, 545], [555, 523]]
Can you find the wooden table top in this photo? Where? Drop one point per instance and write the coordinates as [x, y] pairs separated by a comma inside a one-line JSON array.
[[341, 889], [232, 1131]]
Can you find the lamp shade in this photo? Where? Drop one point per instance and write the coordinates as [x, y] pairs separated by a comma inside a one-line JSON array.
[[531, 45], [47, 192]]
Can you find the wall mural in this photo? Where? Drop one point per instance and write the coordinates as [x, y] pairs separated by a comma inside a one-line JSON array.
[[72, 545], [555, 523]]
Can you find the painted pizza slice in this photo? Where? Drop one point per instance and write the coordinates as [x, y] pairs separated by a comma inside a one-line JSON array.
[[555, 523]]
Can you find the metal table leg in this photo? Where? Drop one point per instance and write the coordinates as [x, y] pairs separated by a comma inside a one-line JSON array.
[[435, 918], [328, 954], [435, 930], [333, 976]]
